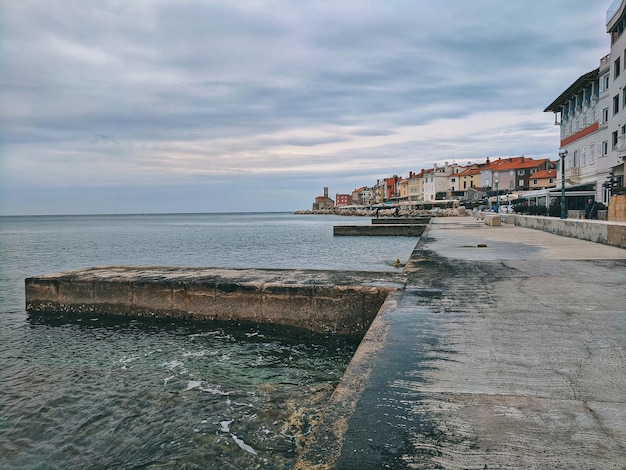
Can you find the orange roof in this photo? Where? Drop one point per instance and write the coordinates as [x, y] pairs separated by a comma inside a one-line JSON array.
[[469, 172], [514, 163], [545, 174]]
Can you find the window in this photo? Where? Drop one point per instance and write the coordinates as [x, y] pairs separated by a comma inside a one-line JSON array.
[[624, 99], [615, 105], [606, 82], [614, 139], [520, 183], [605, 115], [533, 171], [521, 172], [617, 68], [535, 182], [605, 148], [551, 180]]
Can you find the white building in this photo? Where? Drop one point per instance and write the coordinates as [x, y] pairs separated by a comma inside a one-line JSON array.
[[591, 113], [583, 113], [441, 180], [615, 26]]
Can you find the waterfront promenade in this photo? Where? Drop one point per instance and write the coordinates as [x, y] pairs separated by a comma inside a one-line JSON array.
[[506, 349]]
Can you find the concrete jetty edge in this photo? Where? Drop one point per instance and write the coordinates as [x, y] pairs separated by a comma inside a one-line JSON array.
[[377, 230], [325, 302]]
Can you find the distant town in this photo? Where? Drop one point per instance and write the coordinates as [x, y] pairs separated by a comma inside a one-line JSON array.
[[590, 114], [451, 184]]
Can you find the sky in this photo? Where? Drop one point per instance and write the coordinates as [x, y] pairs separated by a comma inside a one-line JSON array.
[[158, 106]]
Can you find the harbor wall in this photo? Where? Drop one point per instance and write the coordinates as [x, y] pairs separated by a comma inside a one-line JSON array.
[[401, 220], [599, 231], [375, 230]]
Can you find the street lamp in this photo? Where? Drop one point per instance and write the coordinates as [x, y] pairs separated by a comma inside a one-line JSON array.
[[563, 154], [497, 197]]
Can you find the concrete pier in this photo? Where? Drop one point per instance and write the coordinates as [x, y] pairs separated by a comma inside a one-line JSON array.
[[326, 302], [506, 349], [401, 220], [378, 230]]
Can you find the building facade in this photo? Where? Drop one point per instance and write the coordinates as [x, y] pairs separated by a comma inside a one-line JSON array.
[[342, 200], [615, 27], [591, 114]]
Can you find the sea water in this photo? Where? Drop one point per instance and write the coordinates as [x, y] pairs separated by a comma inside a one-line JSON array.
[[101, 392]]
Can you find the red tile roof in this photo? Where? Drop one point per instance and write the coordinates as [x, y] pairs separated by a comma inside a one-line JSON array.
[[514, 163], [544, 174]]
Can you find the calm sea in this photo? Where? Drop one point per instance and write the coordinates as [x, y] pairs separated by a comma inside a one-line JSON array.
[[102, 393]]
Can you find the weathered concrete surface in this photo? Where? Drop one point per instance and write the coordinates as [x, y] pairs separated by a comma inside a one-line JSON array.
[[401, 220], [600, 231], [328, 302], [507, 350], [398, 230], [493, 220]]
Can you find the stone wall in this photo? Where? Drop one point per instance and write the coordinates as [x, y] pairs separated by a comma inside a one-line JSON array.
[[617, 208], [596, 231]]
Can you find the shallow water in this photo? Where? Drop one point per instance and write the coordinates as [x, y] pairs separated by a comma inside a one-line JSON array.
[[112, 393]]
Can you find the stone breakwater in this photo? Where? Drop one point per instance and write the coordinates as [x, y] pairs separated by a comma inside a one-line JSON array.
[[385, 212]]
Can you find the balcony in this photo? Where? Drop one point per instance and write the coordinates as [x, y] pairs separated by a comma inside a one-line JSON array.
[[572, 175]]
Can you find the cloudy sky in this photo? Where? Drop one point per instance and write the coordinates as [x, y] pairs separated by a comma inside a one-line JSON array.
[[118, 106]]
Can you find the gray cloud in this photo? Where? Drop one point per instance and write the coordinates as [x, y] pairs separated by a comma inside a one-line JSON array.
[[96, 95]]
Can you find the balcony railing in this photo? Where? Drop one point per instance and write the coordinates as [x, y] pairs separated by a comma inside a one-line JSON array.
[[614, 8], [572, 171]]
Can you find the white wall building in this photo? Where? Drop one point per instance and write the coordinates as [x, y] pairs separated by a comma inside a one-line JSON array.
[[583, 112], [591, 113], [616, 26]]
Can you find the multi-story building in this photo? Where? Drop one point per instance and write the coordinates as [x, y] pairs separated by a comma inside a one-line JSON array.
[[343, 199], [415, 184], [583, 112], [378, 191], [362, 196], [469, 178], [392, 188], [591, 114], [615, 26], [454, 181], [404, 189], [512, 173], [543, 179], [436, 182]]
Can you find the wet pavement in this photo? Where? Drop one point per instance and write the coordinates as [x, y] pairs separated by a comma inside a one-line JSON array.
[[506, 349]]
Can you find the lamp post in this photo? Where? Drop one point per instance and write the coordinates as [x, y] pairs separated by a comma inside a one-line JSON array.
[[497, 196], [563, 154]]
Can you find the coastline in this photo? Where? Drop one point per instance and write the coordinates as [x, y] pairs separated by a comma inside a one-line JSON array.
[[404, 213]]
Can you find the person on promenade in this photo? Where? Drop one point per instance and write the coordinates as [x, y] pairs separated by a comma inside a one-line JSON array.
[[591, 211]]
